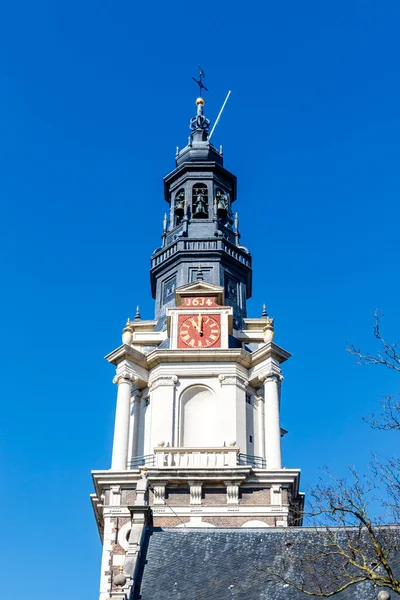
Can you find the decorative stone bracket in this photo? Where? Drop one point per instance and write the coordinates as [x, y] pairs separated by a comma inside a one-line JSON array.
[[159, 493], [195, 492], [232, 492]]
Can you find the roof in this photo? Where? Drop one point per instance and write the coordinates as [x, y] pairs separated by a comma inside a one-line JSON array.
[[223, 564]]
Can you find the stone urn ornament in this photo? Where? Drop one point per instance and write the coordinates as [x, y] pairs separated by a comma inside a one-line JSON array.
[[120, 579], [268, 331], [127, 333]]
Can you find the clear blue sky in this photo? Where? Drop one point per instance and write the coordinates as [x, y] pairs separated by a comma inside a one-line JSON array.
[[95, 97]]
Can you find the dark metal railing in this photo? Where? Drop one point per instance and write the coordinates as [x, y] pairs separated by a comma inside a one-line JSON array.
[[148, 460], [187, 245], [254, 461]]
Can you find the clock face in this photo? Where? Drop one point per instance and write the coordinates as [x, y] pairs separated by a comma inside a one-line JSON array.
[[199, 331]]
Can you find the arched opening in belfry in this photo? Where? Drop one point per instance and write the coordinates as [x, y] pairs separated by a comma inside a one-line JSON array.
[[200, 201], [221, 201], [179, 206], [200, 418]]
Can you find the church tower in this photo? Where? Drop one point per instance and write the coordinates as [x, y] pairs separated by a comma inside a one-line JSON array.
[[197, 437]]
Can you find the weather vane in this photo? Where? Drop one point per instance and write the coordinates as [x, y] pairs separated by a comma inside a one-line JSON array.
[[199, 81]]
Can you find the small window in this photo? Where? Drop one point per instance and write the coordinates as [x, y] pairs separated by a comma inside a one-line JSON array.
[[248, 399], [250, 439], [168, 290]]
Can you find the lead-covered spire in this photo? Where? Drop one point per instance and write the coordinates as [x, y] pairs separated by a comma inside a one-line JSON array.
[[200, 227]]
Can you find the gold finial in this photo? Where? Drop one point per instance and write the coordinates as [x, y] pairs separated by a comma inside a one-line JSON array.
[[121, 569], [200, 101]]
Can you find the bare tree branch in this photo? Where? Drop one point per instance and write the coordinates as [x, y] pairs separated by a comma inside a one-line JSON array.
[[351, 542], [389, 357]]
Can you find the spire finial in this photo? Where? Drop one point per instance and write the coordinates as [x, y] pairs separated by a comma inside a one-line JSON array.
[[137, 316], [200, 123], [200, 276], [199, 81], [264, 311]]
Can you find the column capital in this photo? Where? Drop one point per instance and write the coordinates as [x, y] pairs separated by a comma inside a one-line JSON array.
[[125, 377], [270, 376], [240, 382], [168, 380]]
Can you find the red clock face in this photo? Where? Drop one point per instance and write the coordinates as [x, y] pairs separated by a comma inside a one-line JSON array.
[[199, 331]]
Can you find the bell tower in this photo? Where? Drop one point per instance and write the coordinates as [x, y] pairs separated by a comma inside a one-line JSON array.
[[197, 434], [200, 227]]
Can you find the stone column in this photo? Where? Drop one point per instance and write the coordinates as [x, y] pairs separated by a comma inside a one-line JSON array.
[[136, 417], [124, 380], [261, 423], [272, 421]]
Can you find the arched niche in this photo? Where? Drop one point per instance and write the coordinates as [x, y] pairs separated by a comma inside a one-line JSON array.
[[200, 201], [222, 204], [200, 418], [179, 206]]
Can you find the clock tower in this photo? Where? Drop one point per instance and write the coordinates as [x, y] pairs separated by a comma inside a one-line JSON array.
[[197, 435]]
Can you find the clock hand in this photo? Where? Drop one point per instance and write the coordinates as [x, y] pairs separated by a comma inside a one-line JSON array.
[[193, 322], [200, 324]]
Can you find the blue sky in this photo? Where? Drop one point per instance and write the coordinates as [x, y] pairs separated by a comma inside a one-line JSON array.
[[95, 98]]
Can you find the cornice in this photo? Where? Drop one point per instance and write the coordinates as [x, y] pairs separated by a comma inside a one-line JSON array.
[[204, 355], [129, 353], [235, 355], [269, 350], [244, 473]]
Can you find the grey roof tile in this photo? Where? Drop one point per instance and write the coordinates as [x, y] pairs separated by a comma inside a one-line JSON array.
[[222, 564]]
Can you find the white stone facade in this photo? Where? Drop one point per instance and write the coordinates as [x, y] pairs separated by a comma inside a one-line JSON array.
[[197, 438]]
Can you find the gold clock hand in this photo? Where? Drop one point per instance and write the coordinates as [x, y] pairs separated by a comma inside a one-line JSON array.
[[200, 326], [193, 322]]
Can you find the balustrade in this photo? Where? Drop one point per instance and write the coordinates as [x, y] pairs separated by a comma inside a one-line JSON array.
[[196, 457]]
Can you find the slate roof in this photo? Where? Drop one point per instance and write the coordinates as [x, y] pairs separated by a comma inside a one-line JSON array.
[[223, 564]]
